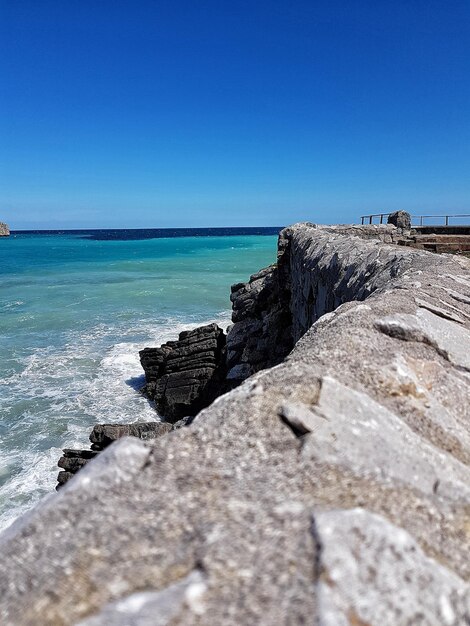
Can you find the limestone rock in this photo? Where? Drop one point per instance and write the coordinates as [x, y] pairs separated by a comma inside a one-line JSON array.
[[452, 341], [155, 608], [4, 230], [351, 428]]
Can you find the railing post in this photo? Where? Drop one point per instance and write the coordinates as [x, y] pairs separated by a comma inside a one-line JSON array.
[[370, 219], [381, 218], [421, 220], [362, 220], [447, 220]]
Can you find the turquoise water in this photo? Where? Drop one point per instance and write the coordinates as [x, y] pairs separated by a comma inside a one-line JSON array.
[[74, 312]]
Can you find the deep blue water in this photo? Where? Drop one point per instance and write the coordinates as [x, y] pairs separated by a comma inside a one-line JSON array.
[[75, 309], [156, 233]]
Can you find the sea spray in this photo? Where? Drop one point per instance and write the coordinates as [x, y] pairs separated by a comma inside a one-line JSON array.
[[74, 314]]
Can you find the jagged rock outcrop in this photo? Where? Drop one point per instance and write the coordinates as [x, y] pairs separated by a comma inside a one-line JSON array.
[[331, 489], [264, 330], [184, 376], [261, 334], [101, 437], [4, 230]]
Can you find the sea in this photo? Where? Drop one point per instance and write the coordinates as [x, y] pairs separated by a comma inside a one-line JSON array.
[[75, 309]]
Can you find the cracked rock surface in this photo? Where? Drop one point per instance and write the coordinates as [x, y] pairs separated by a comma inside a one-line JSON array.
[[330, 489]]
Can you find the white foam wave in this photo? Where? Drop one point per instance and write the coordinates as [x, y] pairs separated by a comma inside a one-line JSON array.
[[61, 391]]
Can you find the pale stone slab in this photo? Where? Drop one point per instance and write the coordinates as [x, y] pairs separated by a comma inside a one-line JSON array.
[[450, 339], [374, 573], [350, 429]]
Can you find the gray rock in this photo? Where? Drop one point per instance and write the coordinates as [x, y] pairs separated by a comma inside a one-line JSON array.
[[375, 573], [154, 608], [103, 435], [240, 372], [350, 428], [400, 219], [72, 464], [63, 477], [451, 340], [184, 376], [4, 230], [83, 454], [261, 334]]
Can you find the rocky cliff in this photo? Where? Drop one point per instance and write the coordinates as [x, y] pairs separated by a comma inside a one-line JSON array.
[[4, 230], [332, 488]]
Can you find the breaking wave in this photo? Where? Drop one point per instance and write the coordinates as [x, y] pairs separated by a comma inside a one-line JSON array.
[[55, 395]]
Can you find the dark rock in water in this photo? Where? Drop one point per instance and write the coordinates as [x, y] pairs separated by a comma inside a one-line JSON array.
[[63, 477], [185, 376], [153, 361], [72, 464], [400, 219], [83, 454], [103, 435]]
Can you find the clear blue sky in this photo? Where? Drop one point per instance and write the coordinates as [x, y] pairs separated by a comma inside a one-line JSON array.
[[208, 113]]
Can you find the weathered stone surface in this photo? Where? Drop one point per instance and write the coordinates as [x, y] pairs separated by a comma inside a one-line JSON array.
[[400, 219], [372, 496], [372, 572], [155, 608], [452, 341], [351, 429], [265, 326], [184, 376], [4, 230]]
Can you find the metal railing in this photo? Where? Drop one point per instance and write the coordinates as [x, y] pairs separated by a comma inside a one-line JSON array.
[[369, 219]]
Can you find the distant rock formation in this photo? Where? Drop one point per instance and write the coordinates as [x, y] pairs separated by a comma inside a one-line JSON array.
[[4, 230], [184, 376]]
